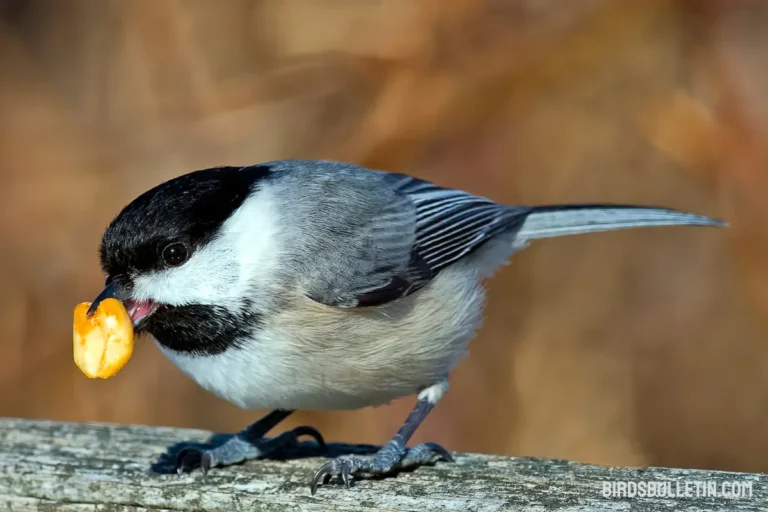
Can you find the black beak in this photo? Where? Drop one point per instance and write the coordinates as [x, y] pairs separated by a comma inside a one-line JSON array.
[[111, 291]]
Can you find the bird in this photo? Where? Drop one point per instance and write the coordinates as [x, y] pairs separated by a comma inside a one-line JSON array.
[[323, 285]]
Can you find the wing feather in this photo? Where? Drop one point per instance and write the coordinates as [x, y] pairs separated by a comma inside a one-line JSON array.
[[450, 224], [402, 237]]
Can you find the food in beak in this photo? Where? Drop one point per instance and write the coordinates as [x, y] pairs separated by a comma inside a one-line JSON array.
[[102, 342]]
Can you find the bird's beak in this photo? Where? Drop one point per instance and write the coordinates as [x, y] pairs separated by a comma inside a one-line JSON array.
[[111, 291]]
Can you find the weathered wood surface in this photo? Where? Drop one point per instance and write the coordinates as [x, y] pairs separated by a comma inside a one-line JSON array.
[[88, 467]]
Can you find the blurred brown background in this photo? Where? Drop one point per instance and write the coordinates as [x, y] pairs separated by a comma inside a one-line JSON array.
[[636, 347]]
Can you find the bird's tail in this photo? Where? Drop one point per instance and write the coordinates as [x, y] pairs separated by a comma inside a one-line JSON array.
[[572, 219]]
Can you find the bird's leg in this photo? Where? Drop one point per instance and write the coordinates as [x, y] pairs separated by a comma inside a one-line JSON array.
[[394, 455], [250, 443]]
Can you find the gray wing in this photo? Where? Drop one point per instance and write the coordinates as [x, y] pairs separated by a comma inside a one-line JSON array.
[[394, 247], [377, 237]]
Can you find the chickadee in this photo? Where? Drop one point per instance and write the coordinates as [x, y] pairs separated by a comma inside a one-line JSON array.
[[314, 285]]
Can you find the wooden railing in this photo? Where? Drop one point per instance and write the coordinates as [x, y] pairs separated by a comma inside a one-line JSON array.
[[94, 467]]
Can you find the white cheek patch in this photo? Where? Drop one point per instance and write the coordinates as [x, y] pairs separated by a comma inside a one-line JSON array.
[[226, 269], [204, 279]]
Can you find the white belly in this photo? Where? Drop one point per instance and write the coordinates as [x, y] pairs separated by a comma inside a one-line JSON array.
[[313, 356], [256, 379]]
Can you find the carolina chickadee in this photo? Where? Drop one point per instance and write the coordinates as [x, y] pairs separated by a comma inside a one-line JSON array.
[[322, 285]]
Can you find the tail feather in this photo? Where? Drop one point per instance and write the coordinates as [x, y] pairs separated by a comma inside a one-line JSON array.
[[571, 219]]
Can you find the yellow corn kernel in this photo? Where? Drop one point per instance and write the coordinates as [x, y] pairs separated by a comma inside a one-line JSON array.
[[103, 343]]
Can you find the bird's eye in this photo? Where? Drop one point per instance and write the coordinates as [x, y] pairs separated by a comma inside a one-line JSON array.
[[175, 254]]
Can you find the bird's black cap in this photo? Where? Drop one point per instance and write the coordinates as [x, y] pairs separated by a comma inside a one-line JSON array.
[[187, 209]]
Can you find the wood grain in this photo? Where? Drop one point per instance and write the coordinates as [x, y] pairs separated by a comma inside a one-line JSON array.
[[88, 467]]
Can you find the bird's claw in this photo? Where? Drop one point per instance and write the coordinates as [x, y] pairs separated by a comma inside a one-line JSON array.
[[387, 460], [238, 449], [206, 462], [419, 453], [188, 459], [343, 467]]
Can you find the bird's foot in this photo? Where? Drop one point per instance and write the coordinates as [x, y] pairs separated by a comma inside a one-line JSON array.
[[394, 456], [241, 447]]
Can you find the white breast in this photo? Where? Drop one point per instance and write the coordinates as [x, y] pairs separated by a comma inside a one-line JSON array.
[[247, 378]]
